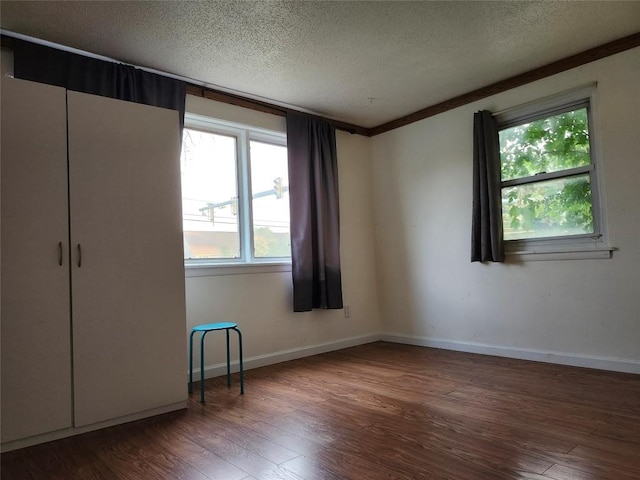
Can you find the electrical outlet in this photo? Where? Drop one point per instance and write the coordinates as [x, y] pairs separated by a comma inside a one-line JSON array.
[[347, 311]]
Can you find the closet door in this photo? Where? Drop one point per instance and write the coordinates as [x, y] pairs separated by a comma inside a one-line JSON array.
[[129, 340], [36, 345]]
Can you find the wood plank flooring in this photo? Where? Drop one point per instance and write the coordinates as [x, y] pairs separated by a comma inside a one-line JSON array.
[[377, 411]]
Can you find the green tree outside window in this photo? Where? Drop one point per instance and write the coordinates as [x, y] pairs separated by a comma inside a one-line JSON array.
[[548, 207]]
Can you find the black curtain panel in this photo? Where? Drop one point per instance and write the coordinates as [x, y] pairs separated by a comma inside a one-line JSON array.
[[315, 218], [486, 229], [75, 72]]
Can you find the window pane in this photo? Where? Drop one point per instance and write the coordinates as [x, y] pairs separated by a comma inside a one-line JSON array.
[[548, 209], [270, 190], [209, 195], [548, 145]]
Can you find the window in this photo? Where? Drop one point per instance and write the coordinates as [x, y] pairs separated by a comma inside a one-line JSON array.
[[235, 193], [548, 173]]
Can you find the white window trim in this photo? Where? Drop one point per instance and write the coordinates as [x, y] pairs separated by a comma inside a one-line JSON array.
[[220, 269], [247, 263], [589, 246]]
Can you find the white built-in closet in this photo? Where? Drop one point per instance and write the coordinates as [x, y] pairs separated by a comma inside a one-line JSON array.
[[92, 286]]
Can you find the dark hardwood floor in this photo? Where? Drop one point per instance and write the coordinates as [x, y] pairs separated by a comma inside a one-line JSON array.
[[378, 411]]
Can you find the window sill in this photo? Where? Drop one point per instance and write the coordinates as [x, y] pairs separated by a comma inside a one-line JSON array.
[[219, 269], [544, 254]]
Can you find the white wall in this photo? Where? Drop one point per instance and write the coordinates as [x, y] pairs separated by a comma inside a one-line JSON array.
[[261, 303], [588, 311]]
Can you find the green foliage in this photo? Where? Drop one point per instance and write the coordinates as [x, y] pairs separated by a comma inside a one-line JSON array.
[[270, 244], [552, 207], [547, 145]]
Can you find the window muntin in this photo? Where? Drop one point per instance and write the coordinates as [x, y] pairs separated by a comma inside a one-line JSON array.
[[548, 175], [231, 210]]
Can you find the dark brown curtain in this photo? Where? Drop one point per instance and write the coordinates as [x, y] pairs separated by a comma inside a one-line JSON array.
[[486, 225], [43, 64], [315, 219]]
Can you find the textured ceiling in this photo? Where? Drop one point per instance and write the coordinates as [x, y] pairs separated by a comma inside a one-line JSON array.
[[360, 62]]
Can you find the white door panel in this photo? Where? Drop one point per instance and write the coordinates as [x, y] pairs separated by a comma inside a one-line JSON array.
[[36, 345], [128, 292]]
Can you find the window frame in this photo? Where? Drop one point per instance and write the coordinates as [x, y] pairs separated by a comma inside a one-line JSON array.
[[246, 262], [589, 245]]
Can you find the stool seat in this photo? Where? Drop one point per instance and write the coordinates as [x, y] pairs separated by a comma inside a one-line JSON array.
[[207, 327], [203, 329]]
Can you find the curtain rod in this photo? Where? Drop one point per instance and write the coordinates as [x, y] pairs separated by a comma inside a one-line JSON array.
[[240, 101], [194, 87], [567, 63]]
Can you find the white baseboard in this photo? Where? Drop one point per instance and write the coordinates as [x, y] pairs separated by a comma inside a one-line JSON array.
[[576, 360], [69, 432], [219, 369]]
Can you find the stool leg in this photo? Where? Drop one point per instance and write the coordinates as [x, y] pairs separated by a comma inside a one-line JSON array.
[[191, 361], [241, 366], [202, 367], [228, 360]]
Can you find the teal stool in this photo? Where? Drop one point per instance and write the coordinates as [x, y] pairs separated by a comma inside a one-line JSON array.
[[204, 329]]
